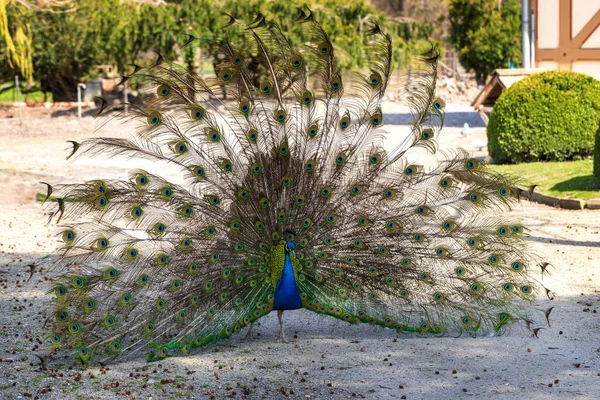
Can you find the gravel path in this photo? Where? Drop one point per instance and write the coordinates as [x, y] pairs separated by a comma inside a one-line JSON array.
[[327, 359]]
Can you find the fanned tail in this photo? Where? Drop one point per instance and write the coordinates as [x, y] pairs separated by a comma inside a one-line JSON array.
[[191, 253]]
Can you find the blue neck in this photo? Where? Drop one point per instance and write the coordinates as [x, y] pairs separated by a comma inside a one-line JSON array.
[[286, 291]]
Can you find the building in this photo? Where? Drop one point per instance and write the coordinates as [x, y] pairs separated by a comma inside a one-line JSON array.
[[567, 35]]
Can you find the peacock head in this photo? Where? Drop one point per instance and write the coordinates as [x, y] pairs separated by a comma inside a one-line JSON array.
[[290, 246]]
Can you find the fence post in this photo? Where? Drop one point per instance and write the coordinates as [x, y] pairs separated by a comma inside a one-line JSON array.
[[525, 34], [125, 102], [532, 45], [79, 87], [18, 93]]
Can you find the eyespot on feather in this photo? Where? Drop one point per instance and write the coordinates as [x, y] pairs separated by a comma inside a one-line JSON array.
[[163, 91], [225, 165], [296, 61], [427, 134], [179, 147], [213, 135], [377, 118], [309, 166], [197, 113], [374, 79], [307, 98], [266, 87], [252, 135], [153, 118], [225, 75], [345, 121], [198, 172], [68, 236], [439, 104], [336, 84]]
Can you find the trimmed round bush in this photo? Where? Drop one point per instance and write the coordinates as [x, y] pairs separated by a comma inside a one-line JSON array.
[[550, 116]]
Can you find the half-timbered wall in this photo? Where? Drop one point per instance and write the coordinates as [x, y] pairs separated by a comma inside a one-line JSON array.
[[567, 35]]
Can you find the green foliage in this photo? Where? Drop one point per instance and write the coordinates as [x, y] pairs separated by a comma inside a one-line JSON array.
[[345, 21], [15, 41], [485, 33], [67, 46], [550, 116]]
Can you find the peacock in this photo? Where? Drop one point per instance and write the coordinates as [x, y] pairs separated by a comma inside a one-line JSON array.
[[283, 197]]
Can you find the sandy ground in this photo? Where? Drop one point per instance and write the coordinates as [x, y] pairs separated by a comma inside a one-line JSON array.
[[327, 359]]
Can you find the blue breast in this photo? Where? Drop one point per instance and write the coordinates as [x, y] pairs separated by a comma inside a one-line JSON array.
[[286, 291]]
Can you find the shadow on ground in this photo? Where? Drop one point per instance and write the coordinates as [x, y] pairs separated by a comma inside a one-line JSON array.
[[451, 119], [326, 359], [567, 242], [584, 183]]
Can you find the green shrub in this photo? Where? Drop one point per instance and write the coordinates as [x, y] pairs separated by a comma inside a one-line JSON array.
[[550, 116]]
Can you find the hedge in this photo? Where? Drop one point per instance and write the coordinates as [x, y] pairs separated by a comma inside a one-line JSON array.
[[550, 116]]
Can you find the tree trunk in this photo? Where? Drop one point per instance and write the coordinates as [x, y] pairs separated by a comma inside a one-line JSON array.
[[27, 90], [480, 78], [63, 89]]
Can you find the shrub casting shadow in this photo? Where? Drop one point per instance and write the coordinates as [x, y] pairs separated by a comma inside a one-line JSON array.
[[585, 183]]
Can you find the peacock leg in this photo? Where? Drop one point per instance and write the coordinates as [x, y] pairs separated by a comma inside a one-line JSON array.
[[249, 334], [281, 337]]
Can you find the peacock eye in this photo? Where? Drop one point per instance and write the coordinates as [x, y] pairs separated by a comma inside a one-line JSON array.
[[163, 90]]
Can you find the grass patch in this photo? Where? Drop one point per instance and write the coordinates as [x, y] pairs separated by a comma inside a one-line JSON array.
[[9, 96], [570, 179]]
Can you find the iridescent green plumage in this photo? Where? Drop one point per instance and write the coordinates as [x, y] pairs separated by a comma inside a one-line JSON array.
[[150, 264]]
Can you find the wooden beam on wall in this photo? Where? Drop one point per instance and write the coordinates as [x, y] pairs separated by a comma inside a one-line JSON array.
[[564, 36], [586, 31]]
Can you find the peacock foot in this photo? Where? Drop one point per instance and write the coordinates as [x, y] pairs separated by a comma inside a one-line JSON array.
[[249, 336], [282, 339]]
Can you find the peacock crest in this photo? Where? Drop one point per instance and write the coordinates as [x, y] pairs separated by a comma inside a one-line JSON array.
[[283, 198]]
